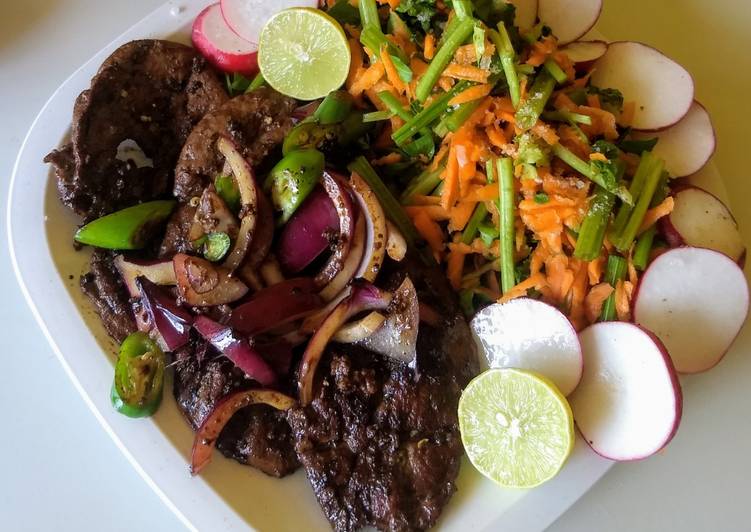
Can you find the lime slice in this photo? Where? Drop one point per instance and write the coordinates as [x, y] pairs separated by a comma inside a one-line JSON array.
[[516, 427], [303, 53]]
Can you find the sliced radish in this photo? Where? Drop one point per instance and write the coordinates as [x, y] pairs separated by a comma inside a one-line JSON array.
[[628, 405], [662, 90], [221, 46], [695, 300], [688, 145], [585, 51], [529, 334], [569, 19], [526, 13], [700, 219], [248, 17]]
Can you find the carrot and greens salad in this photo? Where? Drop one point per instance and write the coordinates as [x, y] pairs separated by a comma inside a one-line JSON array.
[[514, 169]]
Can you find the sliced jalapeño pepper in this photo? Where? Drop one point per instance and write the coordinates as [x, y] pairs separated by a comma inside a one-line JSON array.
[[293, 179], [129, 228], [139, 376]]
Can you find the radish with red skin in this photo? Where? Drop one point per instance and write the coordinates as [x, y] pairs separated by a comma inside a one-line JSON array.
[[248, 17], [699, 219], [696, 301], [569, 19], [662, 90], [688, 145], [526, 13], [629, 403], [221, 46], [585, 51], [529, 334]]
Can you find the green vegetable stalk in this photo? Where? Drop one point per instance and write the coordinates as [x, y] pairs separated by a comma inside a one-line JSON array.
[[507, 203], [129, 228], [626, 238], [594, 226], [334, 108], [539, 94], [422, 184], [426, 117], [506, 52], [460, 33], [473, 225], [614, 272]]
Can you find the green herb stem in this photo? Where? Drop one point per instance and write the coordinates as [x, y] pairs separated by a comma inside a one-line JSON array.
[[507, 232], [539, 94], [623, 243], [481, 211], [594, 226], [426, 117], [459, 33], [506, 52], [614, 272]]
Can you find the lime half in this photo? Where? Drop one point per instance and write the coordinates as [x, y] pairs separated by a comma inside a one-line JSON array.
[[303, 53], [516, 427]]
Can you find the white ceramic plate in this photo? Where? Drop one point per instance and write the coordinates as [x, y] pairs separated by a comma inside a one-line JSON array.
[[226, 496]]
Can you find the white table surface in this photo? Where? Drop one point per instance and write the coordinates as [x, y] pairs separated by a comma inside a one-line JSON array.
[[60, 471]]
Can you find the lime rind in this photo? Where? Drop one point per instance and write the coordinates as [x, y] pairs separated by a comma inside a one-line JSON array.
[[304, 53], [516, 427]]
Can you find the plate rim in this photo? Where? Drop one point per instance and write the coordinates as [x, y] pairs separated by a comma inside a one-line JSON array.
[[526, 510]]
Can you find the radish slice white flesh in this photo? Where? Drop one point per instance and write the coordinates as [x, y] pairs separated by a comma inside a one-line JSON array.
[[585, 51], [529, 334], [569, 19], [526, 13], [662, 90], [248, 17], [221, 46], [700, 219], [628, 405], [695, 300], [688, 145]]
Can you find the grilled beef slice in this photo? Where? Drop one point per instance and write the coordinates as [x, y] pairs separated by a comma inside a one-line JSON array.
[[106, 289], [257, 122], [257, 435], [380, 443], [151, 92]]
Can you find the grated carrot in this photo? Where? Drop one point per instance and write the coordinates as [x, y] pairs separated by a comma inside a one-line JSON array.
[[438, 159], [391, 73], [595, 299], [393, 4], [577, 313], [356, 63], [430, 231], [468, 72], [419, 199], [654, 214], [595, 269], [533, 281], [541, 50], [482, 193], [623, 300], [391, 158], [455, 267], [593, 100], [473, 93], [545, 132], [460, 215], [367, 78], [451, 181], [496, 136], [445, 83], [596, 156], [428, 47], [434, 212], [562, 101]]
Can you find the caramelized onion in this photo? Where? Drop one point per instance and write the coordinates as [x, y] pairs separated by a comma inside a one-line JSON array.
[[170, 320], [212, 425], [360, 329], [203, 284], [396, 245], [159, 272], [338, 191], [376, 230], [364, 296], [351, 263]]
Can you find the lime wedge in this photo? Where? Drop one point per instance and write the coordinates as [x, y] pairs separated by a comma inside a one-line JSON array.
[[516, 427], [303, 53]]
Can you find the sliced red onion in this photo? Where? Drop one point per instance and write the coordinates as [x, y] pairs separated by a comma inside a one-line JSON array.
[[264, 231], [376, 233], [304, 111], [270, 271], [338, 191], [397, 337], [159, 272], [278, 354], [250, 203], [171, 321], [235, 348], [359, 330], [396, 245], [314, 321], [203, 284], [213, 215], [351, 263], [276, 305], [364, 296], [308, 232], [212, 425]]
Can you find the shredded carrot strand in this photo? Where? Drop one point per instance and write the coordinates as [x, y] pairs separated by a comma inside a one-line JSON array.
[[391, 73], [473, 93], [434, 212], [367, 78], [429, 46], [654, 214], [468, 72]]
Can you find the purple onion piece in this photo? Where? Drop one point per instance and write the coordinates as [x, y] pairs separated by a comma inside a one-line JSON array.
[[171, 320]]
